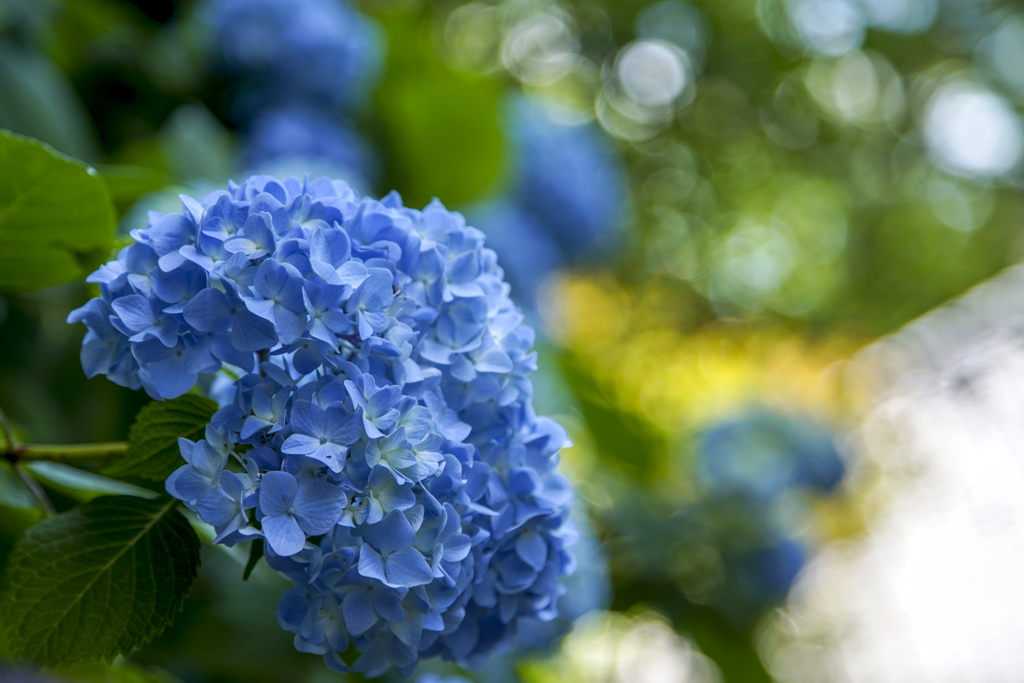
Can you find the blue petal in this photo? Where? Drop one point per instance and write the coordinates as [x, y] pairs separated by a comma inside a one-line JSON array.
[[407, 567], [295, 604], [457, 548], [208, 310], [392, 534], [216, 507], [530, 547], [299, 444], [277, 493], [388, 605], [318, 506], [309, 418], [135, 311], [283, 534], [188, 484], [249, 332], [357, 609], [370, 563]]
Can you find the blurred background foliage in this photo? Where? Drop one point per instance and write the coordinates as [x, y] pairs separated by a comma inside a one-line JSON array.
[[704, 207]]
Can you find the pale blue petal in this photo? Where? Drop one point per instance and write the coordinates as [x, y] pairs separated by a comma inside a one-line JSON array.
[[300, 444], [283, 534], [370, 564], [277, 493], [407, 567], [318, 506]]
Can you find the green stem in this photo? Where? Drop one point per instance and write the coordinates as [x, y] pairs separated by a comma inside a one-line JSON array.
[[15, 452], [5, 427], [85, 452]]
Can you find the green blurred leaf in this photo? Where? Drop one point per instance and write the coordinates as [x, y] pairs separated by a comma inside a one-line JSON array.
[[120, 671], [38, 101], [54, 212], [196, 145], [98, 581], [624, 441], [19, 509], [153, 438], [441, 126], [127, 183], [80, 485]]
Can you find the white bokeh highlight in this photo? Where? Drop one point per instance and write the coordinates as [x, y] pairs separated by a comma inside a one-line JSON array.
[[972, 131]]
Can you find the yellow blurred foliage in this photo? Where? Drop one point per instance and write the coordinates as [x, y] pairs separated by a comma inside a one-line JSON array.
[[678, 380]]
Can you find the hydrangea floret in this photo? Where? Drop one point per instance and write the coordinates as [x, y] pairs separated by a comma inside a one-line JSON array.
[[376, 428]]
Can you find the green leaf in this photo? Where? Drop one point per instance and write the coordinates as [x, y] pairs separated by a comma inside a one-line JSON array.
[[39, 102], [442, 129], [19, 509], [98, 581], [121, 671], [80, 485], [127, 184], [255, 555], [153, 438], [56, 217]]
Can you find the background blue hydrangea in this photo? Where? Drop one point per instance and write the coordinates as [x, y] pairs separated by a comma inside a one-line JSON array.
[[746, 466], [564, 195], [298, 72], [312, 50]]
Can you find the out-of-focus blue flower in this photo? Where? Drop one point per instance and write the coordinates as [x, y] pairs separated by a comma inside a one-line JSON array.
[[762, 454], [745, 465], [381, 427], [765, 574], [565, 197], [757, 574], [308, 139], [568, 176], [308, 50]]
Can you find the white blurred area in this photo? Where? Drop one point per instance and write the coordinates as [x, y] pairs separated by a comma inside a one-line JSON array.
[[610, 647], [970, 130], [934, 590]]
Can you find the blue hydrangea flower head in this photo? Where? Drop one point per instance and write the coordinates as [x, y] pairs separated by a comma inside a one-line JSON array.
[[568, 176], [313, 50], [763, 453], [376, 428]]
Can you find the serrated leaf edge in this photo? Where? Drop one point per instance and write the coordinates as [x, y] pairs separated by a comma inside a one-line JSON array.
[[7, 596]]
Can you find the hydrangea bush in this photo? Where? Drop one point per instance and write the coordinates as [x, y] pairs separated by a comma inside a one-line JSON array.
[[376, 429]]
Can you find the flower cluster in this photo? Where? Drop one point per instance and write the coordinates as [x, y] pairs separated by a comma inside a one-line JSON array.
[[308, 50], [299, 71], [565, 197], [762, 454], [566, 175], [377, 430], [745, 466]]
